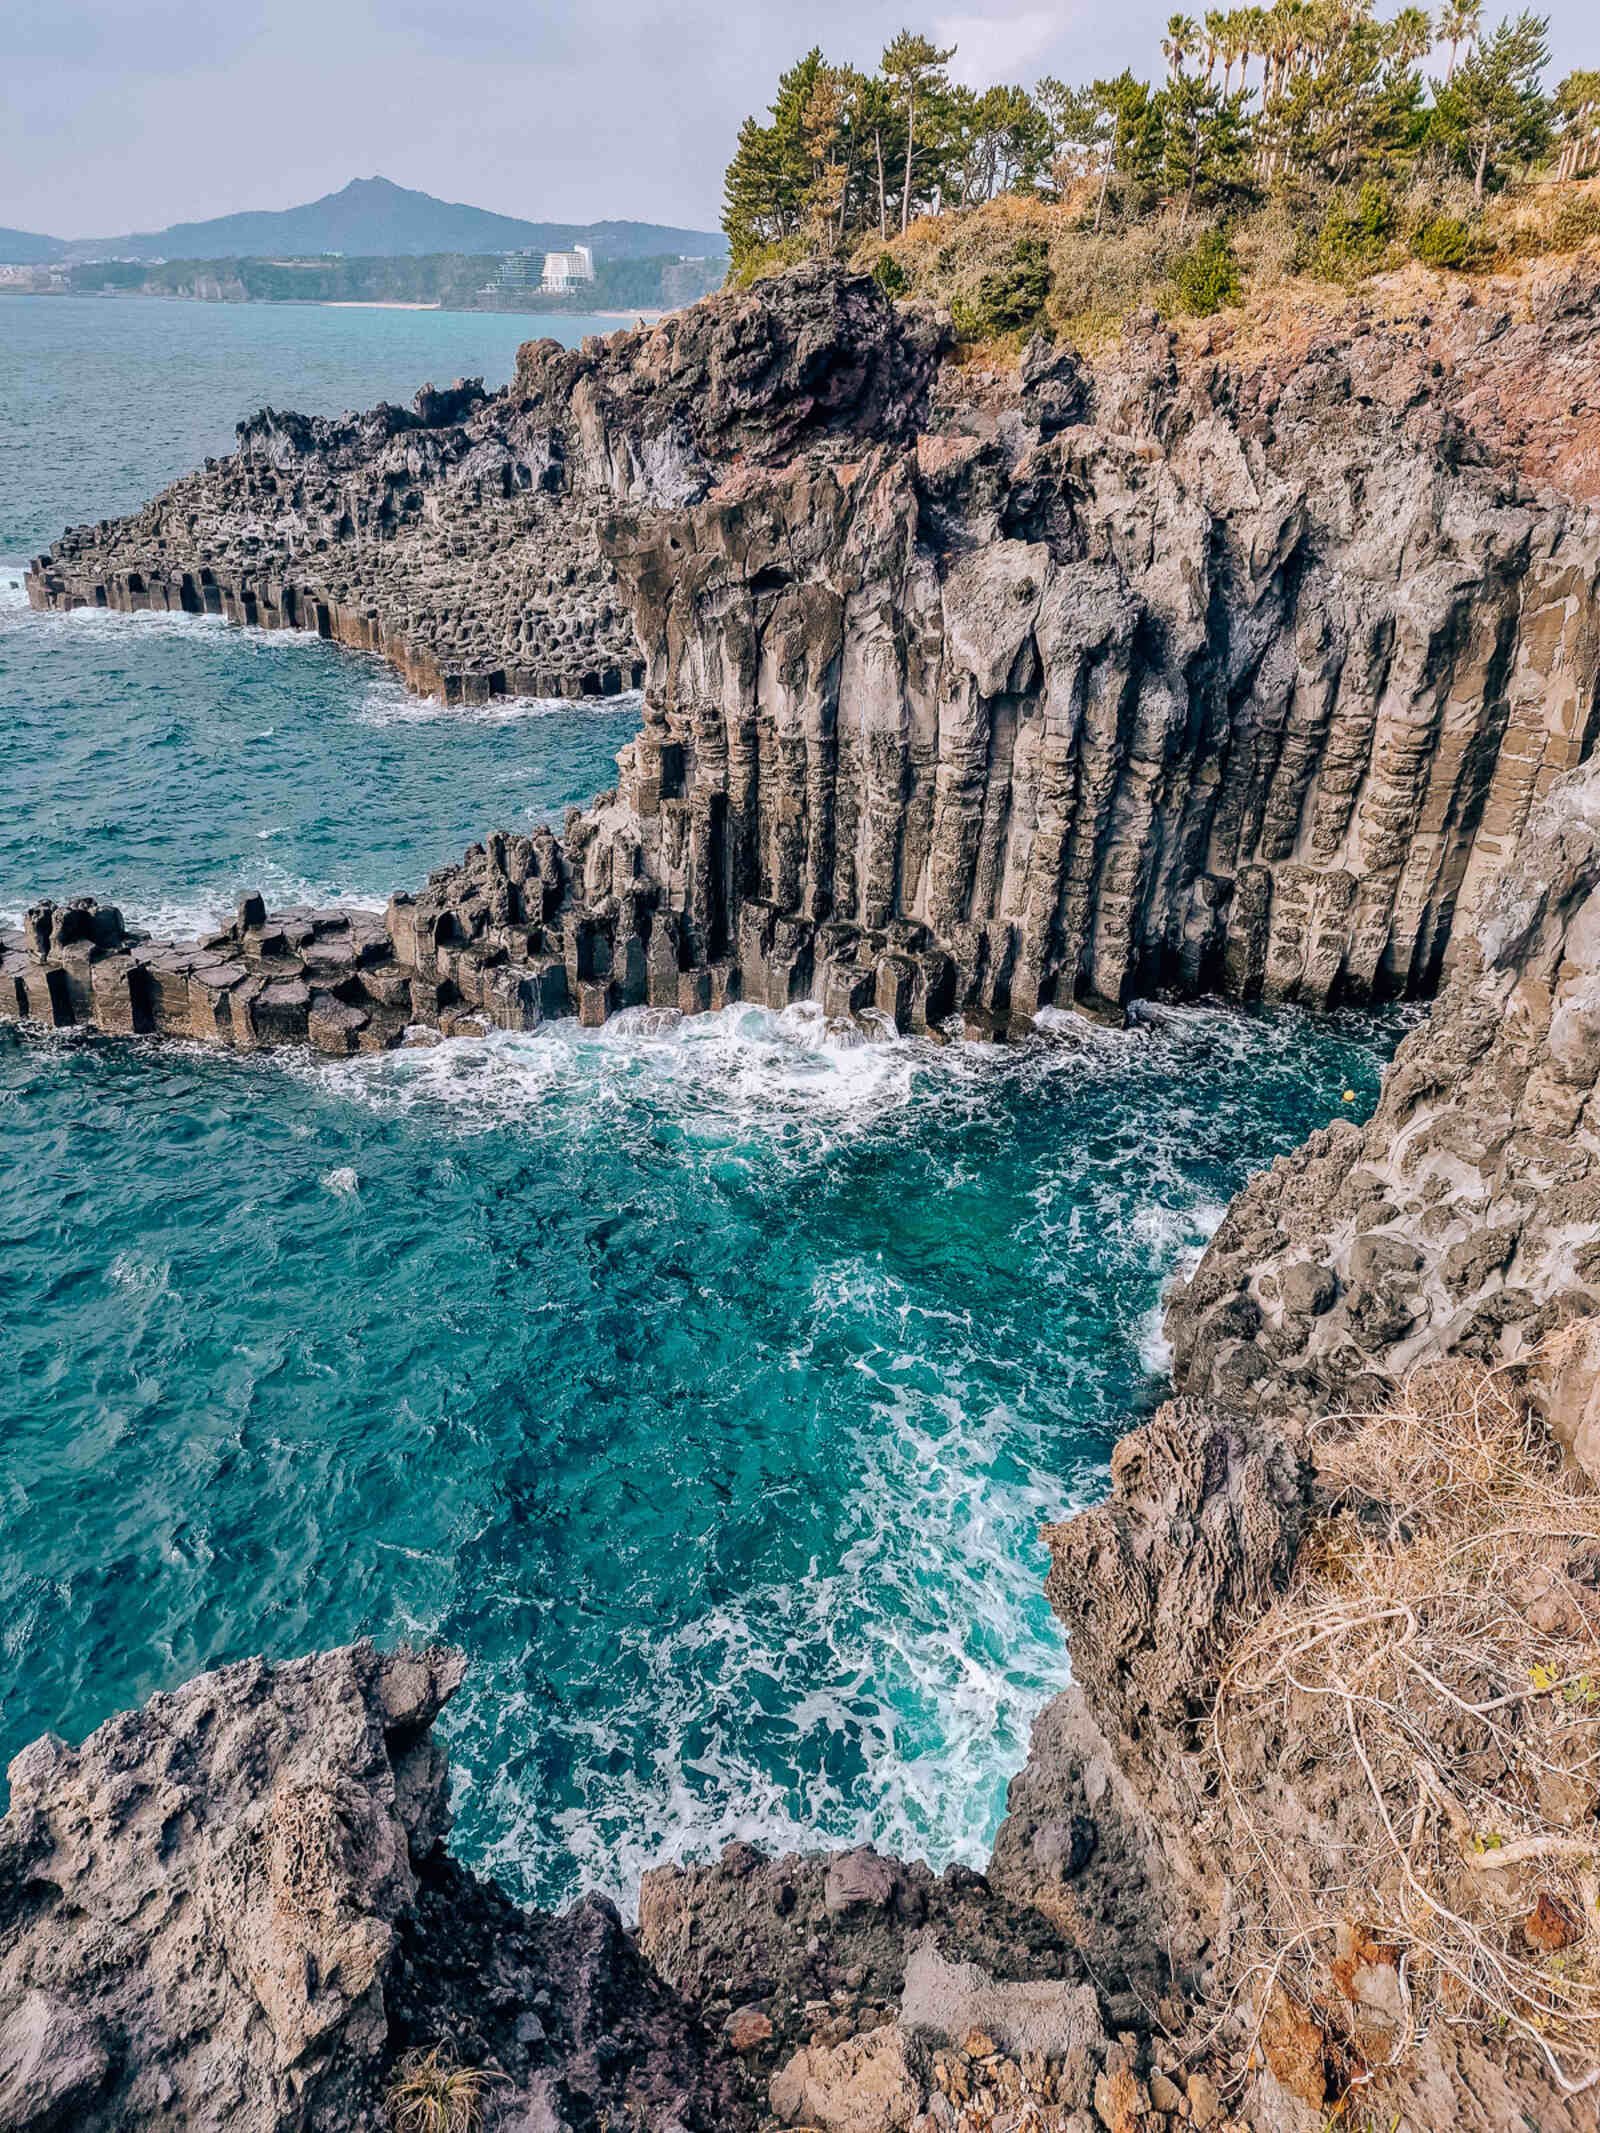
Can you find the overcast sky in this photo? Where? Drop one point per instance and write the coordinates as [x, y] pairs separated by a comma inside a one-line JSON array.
[[130, 114]]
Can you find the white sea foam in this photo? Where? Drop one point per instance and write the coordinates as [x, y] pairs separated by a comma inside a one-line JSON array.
[[923, 1661], [342, 1182], [388, 702], [717, 1076], [140, 1275], [185, 918]]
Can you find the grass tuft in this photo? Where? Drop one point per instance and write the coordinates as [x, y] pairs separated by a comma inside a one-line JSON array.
[[430, 2093]]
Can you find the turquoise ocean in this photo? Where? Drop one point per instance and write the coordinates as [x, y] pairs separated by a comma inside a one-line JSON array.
[[707, 1381]]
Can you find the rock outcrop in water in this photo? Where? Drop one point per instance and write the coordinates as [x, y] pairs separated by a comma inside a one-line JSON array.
[[458, 537], [968, 699]]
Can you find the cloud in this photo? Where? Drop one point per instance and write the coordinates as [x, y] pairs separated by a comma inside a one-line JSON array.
[[130, 114], [996, 47]]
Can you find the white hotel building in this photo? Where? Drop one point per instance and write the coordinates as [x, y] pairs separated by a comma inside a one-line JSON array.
[[563, 270]]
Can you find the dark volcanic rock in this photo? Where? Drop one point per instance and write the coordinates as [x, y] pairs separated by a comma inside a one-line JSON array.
[[458, 537], [819, 1943], [232, 1910], [960, 702], [1465, 1218]]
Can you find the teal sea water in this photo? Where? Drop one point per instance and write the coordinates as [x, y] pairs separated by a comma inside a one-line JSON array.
[[707, 1381]]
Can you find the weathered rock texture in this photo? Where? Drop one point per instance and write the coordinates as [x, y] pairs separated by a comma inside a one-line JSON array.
[[965, 699], [1155, 1587], [1186, 671], [232, 1910], [423, 534], [1171, 674], [1465, 1218], [457, 537]]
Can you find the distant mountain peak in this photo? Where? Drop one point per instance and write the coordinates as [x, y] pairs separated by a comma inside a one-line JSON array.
[[376, 218]]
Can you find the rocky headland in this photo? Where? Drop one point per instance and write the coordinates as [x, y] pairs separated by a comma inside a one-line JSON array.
[[1222, 664]]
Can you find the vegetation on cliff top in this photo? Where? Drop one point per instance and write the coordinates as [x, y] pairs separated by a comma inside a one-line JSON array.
[[1426, 1699], [1300, 139]]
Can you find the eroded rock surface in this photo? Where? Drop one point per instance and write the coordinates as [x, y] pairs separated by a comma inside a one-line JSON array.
[[232, 1909], [1465, 1218], [1183, 670], [967, 696], [457, 537]]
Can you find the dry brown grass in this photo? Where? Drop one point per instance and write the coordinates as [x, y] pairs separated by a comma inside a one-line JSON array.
[[430, 2093], [1098, 281], [1536, 221], [1431, 1682]]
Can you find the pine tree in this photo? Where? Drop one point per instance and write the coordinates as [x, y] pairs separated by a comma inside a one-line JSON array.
[[914, 67], [1492, 111], [767, 185]]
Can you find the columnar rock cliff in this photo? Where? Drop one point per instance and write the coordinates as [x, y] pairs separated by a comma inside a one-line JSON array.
[[1166, 674], [417, 533], [965, 699], [457, 537], [1464, 1219]]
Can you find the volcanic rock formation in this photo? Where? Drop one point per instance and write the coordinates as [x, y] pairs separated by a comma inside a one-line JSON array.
[[457, 538], [963, 700], [1464, 1219], [232, 1909], [1200, 668]]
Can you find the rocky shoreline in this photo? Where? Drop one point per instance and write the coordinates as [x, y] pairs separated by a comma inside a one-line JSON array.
[[964, 696], [414, 533]]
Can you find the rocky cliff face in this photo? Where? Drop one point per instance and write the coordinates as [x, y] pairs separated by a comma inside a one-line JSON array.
[[457, 537], [1465, 1218], [235, 1909], [962, 698], [1166, 674], [232, 1909]]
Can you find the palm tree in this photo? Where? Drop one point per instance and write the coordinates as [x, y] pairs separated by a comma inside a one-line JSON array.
[[1411, 35], [1252, 43], [1578, 113], [1216, 29], [1460, 23], [1181, 39], [1232, 47]]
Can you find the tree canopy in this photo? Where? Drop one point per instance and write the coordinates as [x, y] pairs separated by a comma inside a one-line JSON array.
[[1298, 98]]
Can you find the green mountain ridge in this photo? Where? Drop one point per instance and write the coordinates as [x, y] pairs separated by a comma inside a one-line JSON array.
[[373, 218]]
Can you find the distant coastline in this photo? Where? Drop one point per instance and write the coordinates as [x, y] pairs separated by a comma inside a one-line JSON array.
[[437, 281], [531, 307], [529, 310]]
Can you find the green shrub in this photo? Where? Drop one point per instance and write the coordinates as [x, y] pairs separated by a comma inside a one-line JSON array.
[[1375, 214], [1445, 241], [1206, 276], [1353, 236], [1577, 220], [890, 276], [1010, 298]]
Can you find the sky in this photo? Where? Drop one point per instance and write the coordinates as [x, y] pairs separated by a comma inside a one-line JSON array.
[[120, 115]]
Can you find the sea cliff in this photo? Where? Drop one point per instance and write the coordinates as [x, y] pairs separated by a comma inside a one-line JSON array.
[[962, 696], [1267, 668]]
